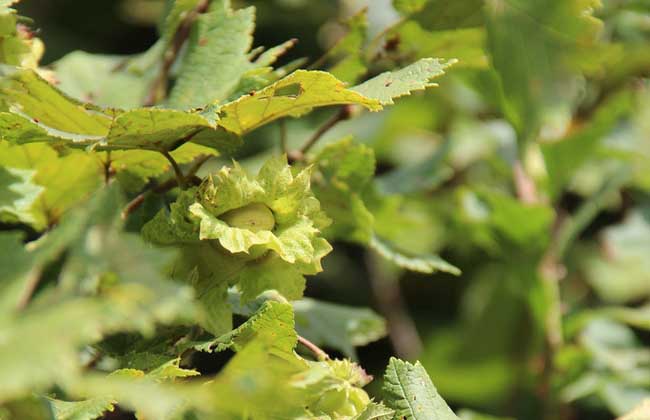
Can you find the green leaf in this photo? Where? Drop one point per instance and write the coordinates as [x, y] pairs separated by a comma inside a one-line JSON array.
[[419, 263], [17, 195], [473, 415], [407, 7], [347, 54], [178, 11], [220, 40], [466, 45], [344, 170], [410, 392], [65, 180], [294, 95], [272, 324], [134, 168], [15, 264], [376, 411], [257, 383], [104, 80], [148, 398], [564, 157], [443, 14], [31, 95], [334, 389], [17, 47], [423, 176], [533, 66], [270, 273], [337, 327], [41, 113], [394, 84], [137, 298], [81, 410]]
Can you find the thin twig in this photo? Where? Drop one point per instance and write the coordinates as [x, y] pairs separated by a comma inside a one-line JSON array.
[[107, 168], [177, 169], [524, 184], [159, 85], [283, 135], [134, 204], [344, 114], [403, 334], [317, 351], [33, 279]]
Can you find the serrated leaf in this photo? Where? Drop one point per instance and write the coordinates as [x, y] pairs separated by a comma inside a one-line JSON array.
[[171, 370], [464, 44], [17, 195], [420, 263], [344, 170], [65, 180], [257, 383], [142, 394], [336, 326], [17, 46], [104, 80], [376, 411], [410, 392], [220, 41], [30, 94], [138, 298], [272, 324], [270, 273], [134, 168], [41, 113], [293, 96], [394, 84], [81, 410]]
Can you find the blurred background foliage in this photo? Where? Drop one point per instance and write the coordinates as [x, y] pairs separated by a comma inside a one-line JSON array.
[[528, 168]]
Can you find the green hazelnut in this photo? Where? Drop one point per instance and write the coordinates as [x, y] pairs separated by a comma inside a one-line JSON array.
[[253, 217]]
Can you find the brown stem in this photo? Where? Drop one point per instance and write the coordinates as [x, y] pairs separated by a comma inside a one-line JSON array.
[[134, 204], [344, 114], [317, 351], [33, 279], [159, 85], [550, 272], [403, 334], [524, 184], [177, 169]]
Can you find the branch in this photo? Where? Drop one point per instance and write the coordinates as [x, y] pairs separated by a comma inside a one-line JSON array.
[[177, 169], [317, 351], [403, 334], [344, 114], [524, 184], [170, 184], [33, 279], [159, 85]]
